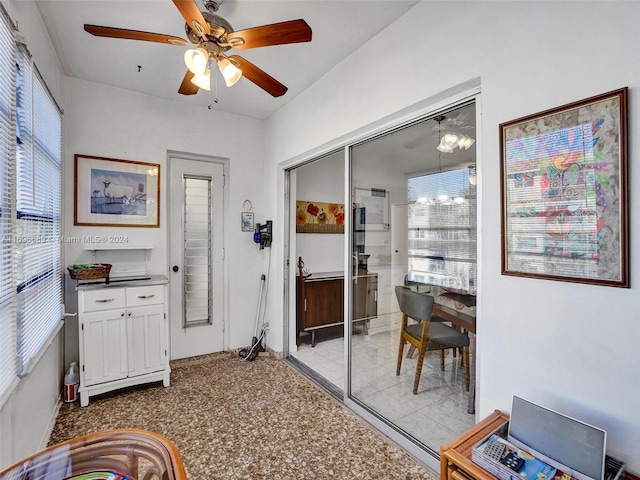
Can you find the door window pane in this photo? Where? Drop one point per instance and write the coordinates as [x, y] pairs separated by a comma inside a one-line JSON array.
[[197, 251]]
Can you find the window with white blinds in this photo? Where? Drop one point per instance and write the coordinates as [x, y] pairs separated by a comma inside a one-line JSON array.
[[442, 230], [8, 357], [38, 211]]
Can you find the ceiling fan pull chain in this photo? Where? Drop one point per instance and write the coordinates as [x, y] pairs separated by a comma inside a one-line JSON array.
[[215, 100]]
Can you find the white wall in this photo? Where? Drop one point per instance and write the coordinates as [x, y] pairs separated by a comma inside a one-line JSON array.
[[321, 181], [569, 346], [115, 123], [30, 413]]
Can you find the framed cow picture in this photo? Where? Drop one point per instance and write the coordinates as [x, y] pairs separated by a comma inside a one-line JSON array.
[[112, 192]]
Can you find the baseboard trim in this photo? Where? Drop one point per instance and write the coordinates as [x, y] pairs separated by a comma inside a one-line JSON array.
[[52, 423]]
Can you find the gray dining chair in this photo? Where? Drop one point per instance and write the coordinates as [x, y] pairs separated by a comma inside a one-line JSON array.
[[428, 334]]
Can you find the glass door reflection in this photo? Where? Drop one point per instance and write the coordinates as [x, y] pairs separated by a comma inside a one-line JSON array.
[[414, 225]]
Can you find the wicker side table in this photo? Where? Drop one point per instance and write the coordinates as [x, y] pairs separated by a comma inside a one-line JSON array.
[[117, 454]]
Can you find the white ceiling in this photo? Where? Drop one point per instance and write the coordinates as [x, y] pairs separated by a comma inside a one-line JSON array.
[[339, 28]]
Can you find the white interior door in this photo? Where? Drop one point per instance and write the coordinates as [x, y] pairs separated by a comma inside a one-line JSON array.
[[196, 220]]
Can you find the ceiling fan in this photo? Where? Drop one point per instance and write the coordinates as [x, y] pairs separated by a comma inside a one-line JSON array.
[[213, 36]]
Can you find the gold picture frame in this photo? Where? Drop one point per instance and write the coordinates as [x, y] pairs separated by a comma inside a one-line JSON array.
[[111, 192]]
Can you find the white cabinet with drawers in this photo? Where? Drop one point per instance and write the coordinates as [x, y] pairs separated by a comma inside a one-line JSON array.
[[124, 337]]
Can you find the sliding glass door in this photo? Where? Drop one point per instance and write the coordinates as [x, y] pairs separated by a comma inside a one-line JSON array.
[[406, 220], [413, 210]]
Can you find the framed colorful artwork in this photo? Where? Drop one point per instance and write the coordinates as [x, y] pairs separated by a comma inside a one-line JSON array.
[[319, 217], [112, 192], [564, 193]]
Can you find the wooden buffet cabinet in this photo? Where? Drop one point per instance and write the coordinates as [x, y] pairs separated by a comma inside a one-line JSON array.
[[320, 301]]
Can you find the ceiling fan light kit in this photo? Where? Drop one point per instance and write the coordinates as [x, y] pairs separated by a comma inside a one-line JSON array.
[[229, 71], [213, 36], [196, 60], [202, 80]]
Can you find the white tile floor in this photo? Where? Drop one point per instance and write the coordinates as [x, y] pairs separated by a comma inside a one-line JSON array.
[[434, 416]]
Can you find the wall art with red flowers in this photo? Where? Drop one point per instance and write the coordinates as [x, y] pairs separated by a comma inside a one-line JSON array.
[[319, 217]]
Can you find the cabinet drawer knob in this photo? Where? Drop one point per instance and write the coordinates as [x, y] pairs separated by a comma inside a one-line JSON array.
[[146, 296], [106, 300]]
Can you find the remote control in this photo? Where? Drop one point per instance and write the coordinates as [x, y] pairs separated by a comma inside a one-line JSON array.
[[494, 449], [513, 461]]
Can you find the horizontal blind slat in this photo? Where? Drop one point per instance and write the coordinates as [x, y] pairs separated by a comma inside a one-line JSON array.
[[38, 251], [8, 327]]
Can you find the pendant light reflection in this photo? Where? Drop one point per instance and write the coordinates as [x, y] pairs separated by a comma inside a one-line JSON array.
[[473, 176], [465, 141], [441, 198], [449, 141]]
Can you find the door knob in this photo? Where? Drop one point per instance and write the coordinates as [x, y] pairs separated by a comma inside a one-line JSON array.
[[175, 268]]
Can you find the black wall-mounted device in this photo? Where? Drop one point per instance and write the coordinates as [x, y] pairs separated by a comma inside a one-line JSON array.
[[263, 234]]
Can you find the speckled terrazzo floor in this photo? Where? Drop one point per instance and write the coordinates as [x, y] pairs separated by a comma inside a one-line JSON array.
[[232, 419]]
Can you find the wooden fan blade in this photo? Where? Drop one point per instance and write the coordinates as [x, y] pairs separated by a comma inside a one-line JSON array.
[[112, 32], [293, 31], [260, 77], [193, 16], [187, 87]]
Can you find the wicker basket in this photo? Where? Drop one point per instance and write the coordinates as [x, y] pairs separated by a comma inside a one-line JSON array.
[[98, 270]]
